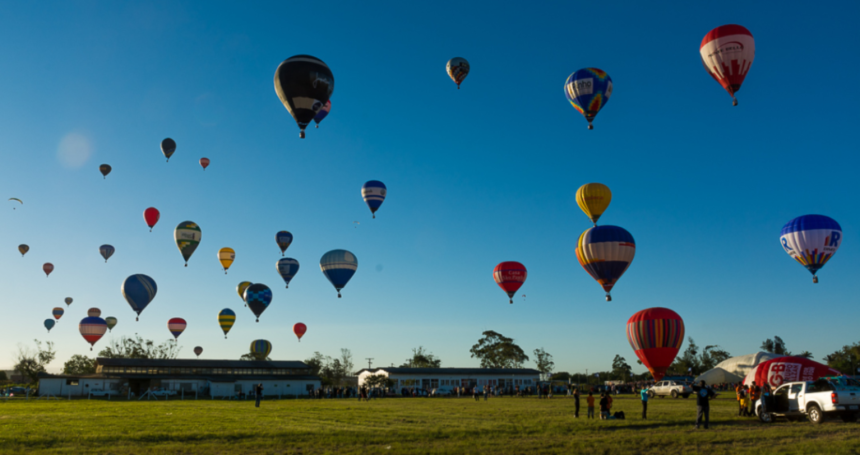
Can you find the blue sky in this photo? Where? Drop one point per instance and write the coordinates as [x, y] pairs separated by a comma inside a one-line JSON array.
[[475, 177]]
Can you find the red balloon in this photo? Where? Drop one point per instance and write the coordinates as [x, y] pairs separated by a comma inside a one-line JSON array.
[[780, 370], [151, 216], [299, 329], [48, 268], [204, 162], [510, 276], [656, 335]]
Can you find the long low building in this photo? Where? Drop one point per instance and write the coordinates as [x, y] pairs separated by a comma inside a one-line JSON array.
[[433, 378], [215, 378]]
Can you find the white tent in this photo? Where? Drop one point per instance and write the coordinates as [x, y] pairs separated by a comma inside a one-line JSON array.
[[719, 376], [735, 368]]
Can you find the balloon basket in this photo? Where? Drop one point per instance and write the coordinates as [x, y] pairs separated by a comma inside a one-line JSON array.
[[302, 134], [814, 279], [590, 126], [734, 102], [608, 298]]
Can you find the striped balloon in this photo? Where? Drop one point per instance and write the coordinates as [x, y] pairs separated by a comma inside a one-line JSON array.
[[811, 240], [283, 239], [94, 312], [187, 236], [287, 268], [338, 266], [226, 256], [92, 329], [107, 251], [605, 252], [656, 335], [58, 312], [323, 112], [373, 193], [176, 327], [261, 349], [111, 322], [49, 324], [457, 69], [226, 319], [138, 291], [68, 301]]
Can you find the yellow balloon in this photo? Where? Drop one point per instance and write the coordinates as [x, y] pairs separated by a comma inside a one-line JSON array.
[[226, 256], [593, 199]]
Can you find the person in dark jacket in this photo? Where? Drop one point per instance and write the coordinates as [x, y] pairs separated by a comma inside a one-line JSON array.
[[576, 402], [258, 393], [703, 403]]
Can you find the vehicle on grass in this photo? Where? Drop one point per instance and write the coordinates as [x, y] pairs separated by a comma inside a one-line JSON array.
[[15, 391], [815, 400], [162, 393], [670, 388], [441, 392], [102, 392]]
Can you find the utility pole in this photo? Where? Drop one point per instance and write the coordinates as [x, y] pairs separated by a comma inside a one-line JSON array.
[[369, 362]]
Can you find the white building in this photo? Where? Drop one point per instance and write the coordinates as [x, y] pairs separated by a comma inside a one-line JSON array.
[[448, 378], [214, 378]]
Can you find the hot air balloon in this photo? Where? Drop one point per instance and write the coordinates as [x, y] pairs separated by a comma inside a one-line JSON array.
[[204, 162], [338, 266], [49, 324], [226, 256], [261, 348], [151, 216], [241, 290], [226, 319], [197, 351], [105, 169], [373, 193], [58, 312], [593, 199], [605, 252], [16, 199], [68, 301], [287, 268], [138, 291], [47, 268], [588, 90], [176, 327], [299, 329], [656, 335], [23, 249], [258, 297], [510, 276], [727, 53], [94, 312], [106, 251], [811, 240], [458, 69], [323, 113], [304, 84], [111, 322], [168, 146], [92, 328], [283, 239], [187, 235]]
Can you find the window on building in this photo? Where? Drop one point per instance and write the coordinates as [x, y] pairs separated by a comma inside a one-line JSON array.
[[186, 386], [71, 382], [237, 388], [434, 383]]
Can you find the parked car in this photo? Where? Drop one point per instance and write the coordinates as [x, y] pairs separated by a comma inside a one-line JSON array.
[[102, 392], [441, 392], [818, 400], [163, 393], [673, 389], [17, 391]]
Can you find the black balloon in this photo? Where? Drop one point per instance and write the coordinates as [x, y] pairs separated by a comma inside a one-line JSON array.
[[304, 84], [168, 146]]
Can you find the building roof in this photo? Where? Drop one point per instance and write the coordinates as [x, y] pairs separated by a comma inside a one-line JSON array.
[[456, 371], [213, 378], [200, 363]]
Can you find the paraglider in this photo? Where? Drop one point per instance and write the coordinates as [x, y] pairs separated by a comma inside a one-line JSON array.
[[728, 52], [16, 199], [151, 216], [338, 266], [105, 170], [226, 319], [204, 162], [226, 256], [299, 329], [304, 84], [588, 90], [656, 335], [187, 235], [111, 322], [811, 240], [94, 312], [139, 290], [176, 327], [168, 146], [92, 328], [283, 239], [58, 312], [323, 112], [510, 276], [605, 252], [261, 348], [373, 193], [68, 301], [47, 268], [49, 324], [287, 268], [23, 249], [106, 251], [197, 351], [241, 290], [593, 199], [258, 297], [458, 69]]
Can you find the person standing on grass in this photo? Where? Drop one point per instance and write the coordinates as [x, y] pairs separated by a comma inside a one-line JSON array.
[[703, 403], [475, 393], [576, 402], [644, 397], [604, 405], [608, 402], [258, 393], [590, 402], [486, 392]]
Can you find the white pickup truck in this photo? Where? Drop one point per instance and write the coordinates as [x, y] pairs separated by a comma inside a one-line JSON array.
[[673, 389], [825, 397]]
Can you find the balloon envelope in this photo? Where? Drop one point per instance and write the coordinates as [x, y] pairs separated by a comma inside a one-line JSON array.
[[605, 252], [187, 235], [457, 69], [283, 239], [373, 193], [323, 113], [262, 348], [198, 350], [48, 268], [105, 169], [287, 268], [258, 297], [68, 301], [588, 90], [226, 319], [151, 216], [727, 53], [303, 84], [204, 162], [111, 322], [106, 251], [92, 329], [176, 327], [226, 256], [780, 370], [338, 266], [656, 335], [510, 276], [49, 324], [299, 329], [139, 290], [593, 199], [168, 146], [241, 289], [23, 249], [94, 312], [58, 312], [811, 240]]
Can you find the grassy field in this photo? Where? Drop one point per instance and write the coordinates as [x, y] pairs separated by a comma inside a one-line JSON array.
[[413, 425]]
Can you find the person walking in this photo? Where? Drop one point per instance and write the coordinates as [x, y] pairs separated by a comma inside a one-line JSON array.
[[644, 397], [590, 402], [258, 393], [576, 402], [703, 403]]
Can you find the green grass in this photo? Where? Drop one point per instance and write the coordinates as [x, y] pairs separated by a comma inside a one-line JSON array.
[[413, 425]]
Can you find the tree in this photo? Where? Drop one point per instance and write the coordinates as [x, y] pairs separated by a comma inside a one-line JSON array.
[[775, 346], [3, 376], [79, 364], [30, 363], [846, 360], [620, 368], [689, 361], [422, 359], [804, 354], [138, 348], [378, 380], [711, 356], [251, 355], [346, 362], [544, 362], [331, 371], [498, 351]]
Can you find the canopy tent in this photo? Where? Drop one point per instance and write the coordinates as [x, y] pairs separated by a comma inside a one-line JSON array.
[[735, 369], [718, 376], [775, 372]]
